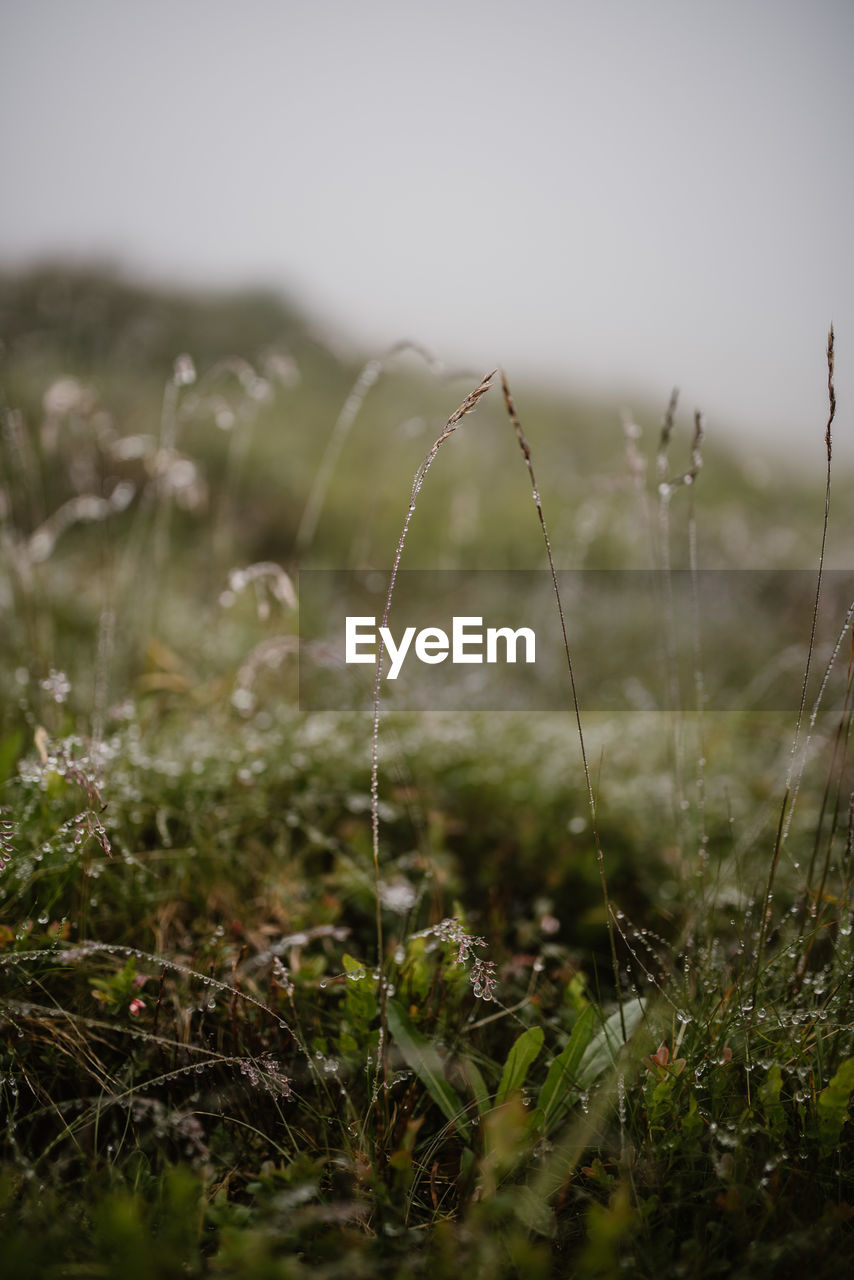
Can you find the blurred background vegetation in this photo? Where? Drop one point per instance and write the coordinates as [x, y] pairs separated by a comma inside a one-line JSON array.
[[200, 424]]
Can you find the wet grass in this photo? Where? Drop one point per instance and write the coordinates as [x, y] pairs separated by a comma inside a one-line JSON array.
[[208, 1067]]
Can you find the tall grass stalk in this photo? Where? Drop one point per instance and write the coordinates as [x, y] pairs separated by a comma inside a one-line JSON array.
[[815, 896], [588, 781], [467, 406], [699, 678], [795, 768], [667, 486]]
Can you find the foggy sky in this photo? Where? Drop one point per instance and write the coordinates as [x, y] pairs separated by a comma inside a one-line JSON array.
[[624, 195]]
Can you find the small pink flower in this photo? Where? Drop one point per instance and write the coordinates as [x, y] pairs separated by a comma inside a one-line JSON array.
[[135, 1005]]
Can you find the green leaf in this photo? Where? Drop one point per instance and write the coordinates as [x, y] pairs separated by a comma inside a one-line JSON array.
[[833, 1107], [661, 1110], [769, 1095], [475, 1081], [531, 1210], [360, 1001], [518, 1063], [426, 1061], [561, 1086], [11, 748], [692, 1123], [604, 1048]]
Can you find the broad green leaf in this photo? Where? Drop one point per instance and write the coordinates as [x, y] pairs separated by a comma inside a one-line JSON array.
[[561, 1085], [426, 1061], [833, 1106], [518, 1063], [604, 1048]]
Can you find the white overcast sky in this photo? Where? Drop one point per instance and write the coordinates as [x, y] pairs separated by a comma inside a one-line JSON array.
[[619, 194]]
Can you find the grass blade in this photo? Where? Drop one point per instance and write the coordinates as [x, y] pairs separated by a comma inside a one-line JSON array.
[[426, 1062], [561, 1085], [519, 1061]]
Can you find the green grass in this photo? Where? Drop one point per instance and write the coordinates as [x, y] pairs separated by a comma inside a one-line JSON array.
[[207, 1069]]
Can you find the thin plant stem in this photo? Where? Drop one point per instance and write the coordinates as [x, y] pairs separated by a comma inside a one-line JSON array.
[[815, 898], [591, 798], [369, 374], [790, 790], [450, 427], [667, 486]]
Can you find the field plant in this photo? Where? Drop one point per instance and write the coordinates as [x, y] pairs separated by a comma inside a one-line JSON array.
[[292, 994]]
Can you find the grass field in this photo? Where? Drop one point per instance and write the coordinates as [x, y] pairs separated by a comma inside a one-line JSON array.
[[343, 993]]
